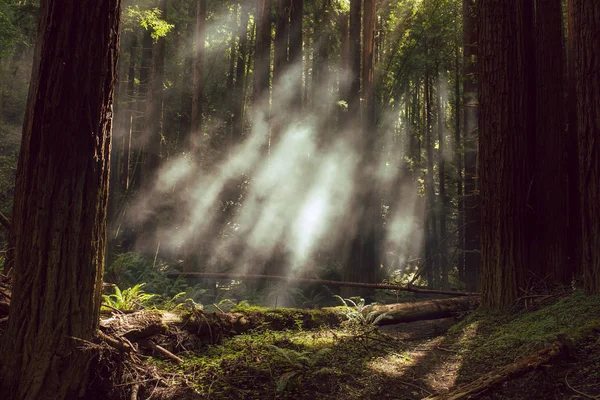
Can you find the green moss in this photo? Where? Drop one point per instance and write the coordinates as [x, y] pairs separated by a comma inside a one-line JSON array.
[[501, 338]]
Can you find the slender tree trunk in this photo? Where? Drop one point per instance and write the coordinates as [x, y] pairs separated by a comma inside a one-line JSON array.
[[458, 154], [443, 209], [433, 265], [281, 39], [551, 177], [505, 170], [262, 60], [196, 136], [296, 50], [354, 55], [586, 24], [471, 144], [187, 83], [61, 202], [240, 75], [344, 69]]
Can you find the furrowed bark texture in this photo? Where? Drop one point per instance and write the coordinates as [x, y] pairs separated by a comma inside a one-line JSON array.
[[503, 154], [60, 202], [587, 71]]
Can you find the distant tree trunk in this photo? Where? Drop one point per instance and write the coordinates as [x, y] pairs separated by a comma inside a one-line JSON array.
[[296, 50], [586, 23], [354, 55], [154, 109], [574, 238], [196, 136], [458, 154], [61, 202], [281, 39], [433, 265], [344, 69], [262, 60], [551, 177], [187, 83], [369, 17], [503, 144], [240, 75], [443, 209], [471, 144]]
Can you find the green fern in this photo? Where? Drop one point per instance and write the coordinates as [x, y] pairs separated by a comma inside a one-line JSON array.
[[130, 299]]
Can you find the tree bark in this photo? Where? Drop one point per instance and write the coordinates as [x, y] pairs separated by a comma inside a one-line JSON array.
[[443, 209], [61, 202], [240, 75], [262, 59], [505, 170], [551, 177], [574, 240], [586, 20]]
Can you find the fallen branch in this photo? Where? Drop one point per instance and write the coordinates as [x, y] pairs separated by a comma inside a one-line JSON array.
[[162, 351], [318, 281], [516, 369], [5, 222]]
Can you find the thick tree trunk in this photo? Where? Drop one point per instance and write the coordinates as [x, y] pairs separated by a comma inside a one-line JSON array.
[[354, 69], [503, 157], [586, 16], [281, 39], [551, 177], [574, 240], [432, 255], [471, 144], [458, 154], [60, 202]]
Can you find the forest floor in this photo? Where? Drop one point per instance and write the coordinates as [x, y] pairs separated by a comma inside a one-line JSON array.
[[306, 354], [417, 360]]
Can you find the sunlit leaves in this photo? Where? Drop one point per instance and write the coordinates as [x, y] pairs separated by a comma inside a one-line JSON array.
[[149, 19]]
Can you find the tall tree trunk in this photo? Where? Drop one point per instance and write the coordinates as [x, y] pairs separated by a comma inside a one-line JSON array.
[[574, 239], [60, 202], [281, 39], [443, 209], [296, 50], [458, 154], [432, 255], [551, 177], [586, 21], [354, 55], [187, 82], [503, 144], [471, 144], [196, 136], [154, 109], [240, 75], [262, 60], [343, 92]]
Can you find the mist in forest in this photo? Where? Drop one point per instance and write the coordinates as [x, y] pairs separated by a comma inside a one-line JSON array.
[[287, 190]]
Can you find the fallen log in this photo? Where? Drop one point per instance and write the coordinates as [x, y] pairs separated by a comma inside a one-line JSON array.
[[514, 370], [423, 310], [242, 277]]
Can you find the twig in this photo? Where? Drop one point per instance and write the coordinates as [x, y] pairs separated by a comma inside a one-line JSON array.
[[579, 391], [218, 308], [413, 385], [162, 350], [134, 391], [121, 346]]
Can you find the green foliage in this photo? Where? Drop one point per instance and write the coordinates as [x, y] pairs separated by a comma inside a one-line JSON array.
[[359, 314], [149, 19], [296, 363], [131, 299]]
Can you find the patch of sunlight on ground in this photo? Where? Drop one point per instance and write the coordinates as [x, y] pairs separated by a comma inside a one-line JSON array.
[[396, 364]]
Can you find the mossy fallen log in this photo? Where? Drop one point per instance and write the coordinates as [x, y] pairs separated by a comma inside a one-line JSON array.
[[423, 310]]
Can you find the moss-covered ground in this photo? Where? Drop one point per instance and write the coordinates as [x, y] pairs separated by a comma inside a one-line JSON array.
[[353, 362]]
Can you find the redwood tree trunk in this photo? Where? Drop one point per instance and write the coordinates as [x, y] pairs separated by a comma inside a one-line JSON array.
[[504, 175], [198, 94], [262, 60], [61, 194], [296, 49], [587, 71], [551, 178]]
